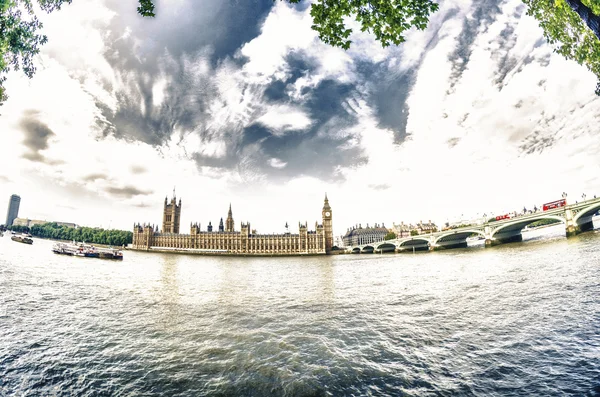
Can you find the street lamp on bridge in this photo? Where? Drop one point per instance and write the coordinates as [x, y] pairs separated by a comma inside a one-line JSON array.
[[583, 196]]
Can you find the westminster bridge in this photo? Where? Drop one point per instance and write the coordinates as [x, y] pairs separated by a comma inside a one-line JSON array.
[[577, 218]]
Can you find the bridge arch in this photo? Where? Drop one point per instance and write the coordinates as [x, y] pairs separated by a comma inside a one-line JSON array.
[[386, 246], [587, 212], [519, 224], [356, 250], [458, 235], [420, 243], [367, 249]]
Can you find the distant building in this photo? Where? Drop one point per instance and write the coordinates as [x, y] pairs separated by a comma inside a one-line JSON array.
[[67, 224], [13, 209], [228, 241], [338, 241], [401, 230], [406, 230], [425, 228], [32, 222], [20, 222], [359, 235]]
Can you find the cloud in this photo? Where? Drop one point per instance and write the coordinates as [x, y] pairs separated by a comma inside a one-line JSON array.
[[37, 135], [138, 169], [96, 176], [252, 103], [127, 191], [382, 186], [276, 163]]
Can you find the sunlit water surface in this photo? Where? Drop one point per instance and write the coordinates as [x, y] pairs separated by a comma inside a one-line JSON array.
[[515, 320]]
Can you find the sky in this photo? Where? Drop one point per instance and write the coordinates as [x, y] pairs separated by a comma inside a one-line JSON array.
[[231, 101]]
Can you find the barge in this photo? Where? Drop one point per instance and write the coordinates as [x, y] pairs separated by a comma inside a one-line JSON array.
[[87, 251], [22, 239]]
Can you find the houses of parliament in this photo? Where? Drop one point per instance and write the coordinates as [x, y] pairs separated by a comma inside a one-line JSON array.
[[226, 240]]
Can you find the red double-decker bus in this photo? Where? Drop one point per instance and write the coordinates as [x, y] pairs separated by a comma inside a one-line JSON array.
[[555, 204], [500, 217]]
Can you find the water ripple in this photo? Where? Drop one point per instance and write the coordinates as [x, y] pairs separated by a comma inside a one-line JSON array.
[[516, 320]]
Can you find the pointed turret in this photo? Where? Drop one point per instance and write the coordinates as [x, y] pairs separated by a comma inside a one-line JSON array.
[[229, 225]]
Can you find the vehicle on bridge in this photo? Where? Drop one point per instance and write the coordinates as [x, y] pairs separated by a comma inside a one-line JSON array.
[[501, 217], [554, 204]]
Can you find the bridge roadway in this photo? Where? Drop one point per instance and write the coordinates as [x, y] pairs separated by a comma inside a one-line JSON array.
[[577, 218]]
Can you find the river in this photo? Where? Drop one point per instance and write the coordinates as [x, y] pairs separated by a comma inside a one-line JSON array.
[[521, 319]]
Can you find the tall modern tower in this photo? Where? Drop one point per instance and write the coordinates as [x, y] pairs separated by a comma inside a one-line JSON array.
[[13, 209]]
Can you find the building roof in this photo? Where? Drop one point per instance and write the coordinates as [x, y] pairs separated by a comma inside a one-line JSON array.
[[365, 231]]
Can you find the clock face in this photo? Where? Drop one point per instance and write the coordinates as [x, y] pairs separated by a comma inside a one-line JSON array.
[[327, 213]]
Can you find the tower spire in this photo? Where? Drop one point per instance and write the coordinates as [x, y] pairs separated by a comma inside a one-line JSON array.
[[229, 224]]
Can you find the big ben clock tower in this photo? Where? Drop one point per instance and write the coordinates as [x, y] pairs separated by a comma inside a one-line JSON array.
[[327, 226]]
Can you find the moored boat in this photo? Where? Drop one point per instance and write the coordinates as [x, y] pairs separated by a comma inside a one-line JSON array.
[[86, 251], [63, 249], [21, 239]]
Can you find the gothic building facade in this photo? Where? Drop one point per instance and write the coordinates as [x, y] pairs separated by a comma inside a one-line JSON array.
[[229, 241]]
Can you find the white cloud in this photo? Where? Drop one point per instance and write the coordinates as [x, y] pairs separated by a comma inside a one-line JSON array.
[[277, 163], [284, 118]]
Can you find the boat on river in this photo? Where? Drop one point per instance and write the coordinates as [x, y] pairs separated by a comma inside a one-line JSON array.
[[19, 238], [86, 250]]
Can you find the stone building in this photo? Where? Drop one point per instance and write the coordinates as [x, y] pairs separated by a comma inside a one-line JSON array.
[[232, 242], [359, 235], [406, 230], [171, 216], [402, 230], [427, 227]]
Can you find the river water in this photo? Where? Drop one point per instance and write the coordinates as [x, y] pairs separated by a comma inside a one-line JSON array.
[[521, 319]]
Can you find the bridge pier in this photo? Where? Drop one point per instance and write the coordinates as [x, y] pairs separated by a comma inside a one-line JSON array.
[[516, 238], [574, 229]]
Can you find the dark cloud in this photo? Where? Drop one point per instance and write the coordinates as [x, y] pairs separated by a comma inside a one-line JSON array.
[[483, 16], [127, 191], [316, 151], [389, 87], [211, 33], [299, 65], [95, 177], [37, 134], [452, 142], [173, 43], [138, 169], [542, 138], [536, 142], [184, 36]]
